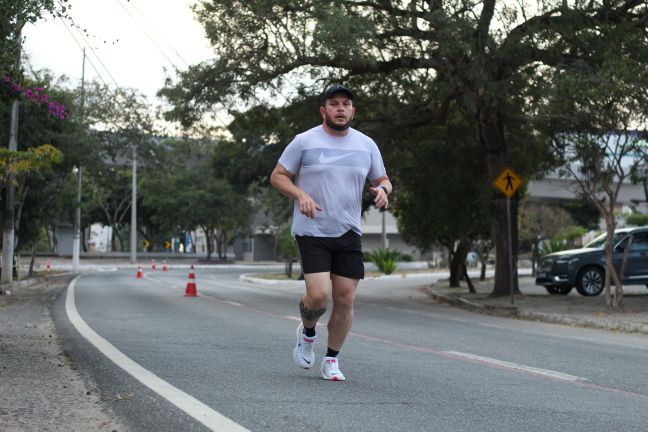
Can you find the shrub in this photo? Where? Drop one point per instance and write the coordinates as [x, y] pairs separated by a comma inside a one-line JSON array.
[[385, 259], [553, 245], [637, 219], [406, 258]]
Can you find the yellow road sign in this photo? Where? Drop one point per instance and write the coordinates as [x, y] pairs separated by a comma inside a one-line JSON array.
[[147, 244], [167, 245], [508, 182]]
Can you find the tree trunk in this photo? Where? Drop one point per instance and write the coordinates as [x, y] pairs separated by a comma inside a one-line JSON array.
[[289, 266], [614, 302], [33, 258], [113, 238], [492, 140], [458, 260], [534, 256], [471, 287], [208, 239], [504, 267]]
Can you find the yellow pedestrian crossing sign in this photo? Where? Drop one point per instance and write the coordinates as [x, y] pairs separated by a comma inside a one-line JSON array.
[[508, 182]]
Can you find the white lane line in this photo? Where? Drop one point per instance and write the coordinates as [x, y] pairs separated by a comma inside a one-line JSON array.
[[516, 366], [190, 405], [232, 303]]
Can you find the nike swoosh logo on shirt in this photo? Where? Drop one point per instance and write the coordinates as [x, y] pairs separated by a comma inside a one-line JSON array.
[[326, 160], [305, 360]]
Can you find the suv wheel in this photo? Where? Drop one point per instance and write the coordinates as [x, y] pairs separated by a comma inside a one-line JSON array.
[[562, 290], [590, 281]]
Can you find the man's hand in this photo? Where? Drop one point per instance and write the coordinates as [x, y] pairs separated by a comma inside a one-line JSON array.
[[308, 206], [380, 195]]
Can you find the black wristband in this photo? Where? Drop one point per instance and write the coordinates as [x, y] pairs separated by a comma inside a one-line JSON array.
[[385, 189]]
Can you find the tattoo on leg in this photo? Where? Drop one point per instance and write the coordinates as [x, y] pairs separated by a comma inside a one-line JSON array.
[[310, 314]]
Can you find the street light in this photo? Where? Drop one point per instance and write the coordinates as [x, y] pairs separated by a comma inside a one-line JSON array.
[[76, 244]]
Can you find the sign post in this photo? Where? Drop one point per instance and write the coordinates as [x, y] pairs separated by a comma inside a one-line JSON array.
[[508, 182]]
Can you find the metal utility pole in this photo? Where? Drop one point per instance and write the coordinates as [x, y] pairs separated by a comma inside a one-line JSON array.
[[8, 234], [6, 275], [76, 244], [133, 233], [385, 243]]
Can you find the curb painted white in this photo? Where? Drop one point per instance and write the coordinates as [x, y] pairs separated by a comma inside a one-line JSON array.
[[193, 407]]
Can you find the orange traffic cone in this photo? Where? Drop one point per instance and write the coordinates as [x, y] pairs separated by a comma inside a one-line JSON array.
[[139, 272], [164, 268], [191, 284], [153, 264], [48, 265]]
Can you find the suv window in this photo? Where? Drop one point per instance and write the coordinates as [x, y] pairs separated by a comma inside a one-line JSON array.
[[639, 242], [599, 242]]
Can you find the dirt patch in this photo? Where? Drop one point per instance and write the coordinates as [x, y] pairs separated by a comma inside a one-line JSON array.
[[41, 388]]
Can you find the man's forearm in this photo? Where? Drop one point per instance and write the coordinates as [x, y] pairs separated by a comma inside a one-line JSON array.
[[285, 186]]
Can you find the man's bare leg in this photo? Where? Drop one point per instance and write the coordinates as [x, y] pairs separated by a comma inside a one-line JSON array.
[[313, 305], [339, 323]]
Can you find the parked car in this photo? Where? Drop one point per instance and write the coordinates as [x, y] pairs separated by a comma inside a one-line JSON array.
[[584, 268]]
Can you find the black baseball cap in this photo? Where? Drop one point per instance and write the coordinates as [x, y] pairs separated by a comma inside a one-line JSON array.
[[336, 88]]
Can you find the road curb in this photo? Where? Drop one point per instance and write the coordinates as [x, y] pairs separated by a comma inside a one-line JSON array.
[[251, 279], [506, 311], [38, 280], [516, 312], [618, 326]]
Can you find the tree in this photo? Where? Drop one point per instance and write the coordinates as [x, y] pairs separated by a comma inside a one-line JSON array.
[[596, 144], [187, 193], [441, 196], [396, 53], [41, 162], [14, 15], [598, 165], [121, 126]]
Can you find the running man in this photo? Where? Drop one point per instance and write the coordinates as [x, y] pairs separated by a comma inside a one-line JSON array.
[[329, 164]]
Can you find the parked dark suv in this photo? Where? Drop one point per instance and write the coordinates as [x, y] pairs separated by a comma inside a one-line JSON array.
[[584, 268]]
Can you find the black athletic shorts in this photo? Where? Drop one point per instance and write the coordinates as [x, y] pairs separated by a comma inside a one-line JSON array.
[[339, 255]]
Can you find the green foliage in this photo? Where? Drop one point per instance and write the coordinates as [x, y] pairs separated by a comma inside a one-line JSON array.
[[416, 67], [553, 245], [540, 221], [572, 235], [183, 191], [287, 245], [638, 219], [31, 161], [584, 212], [440, 167], [385, 259], [14, 15]]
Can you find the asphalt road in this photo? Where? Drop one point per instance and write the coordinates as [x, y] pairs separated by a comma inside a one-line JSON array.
[[223, 361]]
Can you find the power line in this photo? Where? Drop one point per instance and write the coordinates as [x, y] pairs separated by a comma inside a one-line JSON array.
[[159, 34], [97, 57], [177, 69], [148, 36], [81, 48]]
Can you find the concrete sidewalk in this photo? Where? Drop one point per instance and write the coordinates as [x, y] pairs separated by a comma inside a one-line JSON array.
[[536, 304]]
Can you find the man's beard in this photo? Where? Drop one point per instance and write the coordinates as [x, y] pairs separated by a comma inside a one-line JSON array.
[[336, 127]]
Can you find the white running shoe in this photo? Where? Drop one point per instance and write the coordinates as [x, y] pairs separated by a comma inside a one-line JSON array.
[[331, 370], [303, 354]]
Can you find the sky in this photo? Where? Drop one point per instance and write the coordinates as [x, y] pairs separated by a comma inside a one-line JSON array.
[[128, 43]]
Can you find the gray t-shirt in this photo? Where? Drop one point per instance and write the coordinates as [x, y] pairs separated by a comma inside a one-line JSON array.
[[332, 170]]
